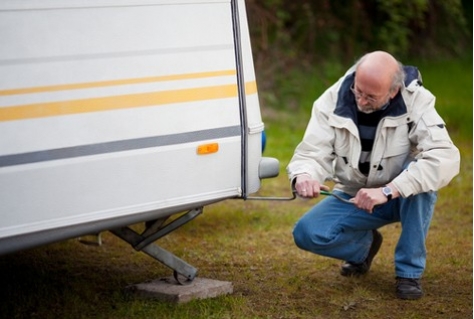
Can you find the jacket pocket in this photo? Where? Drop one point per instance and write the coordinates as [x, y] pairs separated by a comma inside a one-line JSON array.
[[342, 148], [345, 172], [436, 126], [395, 156], [397, 149]]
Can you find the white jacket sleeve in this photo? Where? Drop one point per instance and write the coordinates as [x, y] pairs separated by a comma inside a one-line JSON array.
[[437, 159], [314, 155]]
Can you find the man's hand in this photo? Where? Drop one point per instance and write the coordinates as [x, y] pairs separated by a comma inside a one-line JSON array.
[[368, 198], [307, 187]]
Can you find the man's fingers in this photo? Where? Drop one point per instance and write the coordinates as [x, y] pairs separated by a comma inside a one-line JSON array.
[[325, 187]]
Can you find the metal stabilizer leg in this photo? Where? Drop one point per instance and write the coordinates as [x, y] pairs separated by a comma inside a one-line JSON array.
[[178, 266], [160, 254], [149, 238]]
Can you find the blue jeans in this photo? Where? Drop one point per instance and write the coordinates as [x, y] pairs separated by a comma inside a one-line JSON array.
[[340, 230]]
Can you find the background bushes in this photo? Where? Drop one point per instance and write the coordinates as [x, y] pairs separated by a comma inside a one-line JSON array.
[[297, 35]]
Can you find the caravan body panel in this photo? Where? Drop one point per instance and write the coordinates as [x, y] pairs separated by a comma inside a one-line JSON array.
[[116, 112]]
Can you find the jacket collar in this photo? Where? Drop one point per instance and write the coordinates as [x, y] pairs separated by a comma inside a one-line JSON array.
[[346, 104]]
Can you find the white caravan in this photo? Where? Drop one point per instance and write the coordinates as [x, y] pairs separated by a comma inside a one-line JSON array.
[[115, 112]]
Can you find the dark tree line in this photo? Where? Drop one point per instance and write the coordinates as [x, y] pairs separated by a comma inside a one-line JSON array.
[[286, 32]]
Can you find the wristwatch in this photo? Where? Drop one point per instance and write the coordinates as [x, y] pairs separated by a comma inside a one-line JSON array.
[[387, 191]]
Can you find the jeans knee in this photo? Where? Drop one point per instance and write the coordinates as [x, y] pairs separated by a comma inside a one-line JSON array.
[[302, 237]]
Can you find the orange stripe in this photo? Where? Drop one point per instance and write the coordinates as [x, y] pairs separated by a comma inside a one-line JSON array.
[[122, 102], [115, 102], [77, 86], [250, 88]]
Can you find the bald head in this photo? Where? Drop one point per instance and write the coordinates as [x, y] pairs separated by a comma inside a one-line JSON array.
[[379, 71], [378, 78]]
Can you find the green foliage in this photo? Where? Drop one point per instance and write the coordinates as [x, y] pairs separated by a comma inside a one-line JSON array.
[[392, 27], [451, 83], [308, 35], [345, 29]]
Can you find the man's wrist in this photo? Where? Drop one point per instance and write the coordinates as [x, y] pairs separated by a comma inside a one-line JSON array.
[[387, 191], [395, 192]]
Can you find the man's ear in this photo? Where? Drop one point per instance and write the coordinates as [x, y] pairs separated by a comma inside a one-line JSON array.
[[394, 93]]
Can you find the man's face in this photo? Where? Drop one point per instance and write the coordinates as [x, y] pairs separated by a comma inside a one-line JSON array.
[[370, 98]]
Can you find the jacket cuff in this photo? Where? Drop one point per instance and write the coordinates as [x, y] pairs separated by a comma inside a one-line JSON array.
[[404, 186]]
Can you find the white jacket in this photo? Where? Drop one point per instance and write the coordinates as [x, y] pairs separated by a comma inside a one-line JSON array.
[[412, 147]]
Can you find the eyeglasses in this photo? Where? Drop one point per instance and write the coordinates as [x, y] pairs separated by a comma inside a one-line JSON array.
[[358, 95]]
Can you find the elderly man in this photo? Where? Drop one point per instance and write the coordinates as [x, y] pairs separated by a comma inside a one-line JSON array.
[[377, 135]]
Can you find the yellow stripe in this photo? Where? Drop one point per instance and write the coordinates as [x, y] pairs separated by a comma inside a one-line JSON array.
[[250, 88], [121, 102], [76, 86]]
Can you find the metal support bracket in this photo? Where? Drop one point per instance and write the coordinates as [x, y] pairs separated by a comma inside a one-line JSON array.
[[146, 245], [168, 228]]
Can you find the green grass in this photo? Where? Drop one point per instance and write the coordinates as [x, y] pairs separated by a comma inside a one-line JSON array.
[[249, 243], [451, 83]]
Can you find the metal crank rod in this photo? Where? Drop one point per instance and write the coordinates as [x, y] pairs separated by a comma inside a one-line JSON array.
[[322, 192], [336, 196], [272, 198]]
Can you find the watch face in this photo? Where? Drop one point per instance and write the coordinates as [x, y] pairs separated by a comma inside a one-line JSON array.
[[387, 191]]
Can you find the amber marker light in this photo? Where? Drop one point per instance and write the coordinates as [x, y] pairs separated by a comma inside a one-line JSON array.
[[210, 148]]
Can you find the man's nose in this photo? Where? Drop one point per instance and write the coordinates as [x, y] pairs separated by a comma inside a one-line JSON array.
[[363, 101]]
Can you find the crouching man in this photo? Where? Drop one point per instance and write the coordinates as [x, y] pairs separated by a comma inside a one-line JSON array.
[[377, 135]]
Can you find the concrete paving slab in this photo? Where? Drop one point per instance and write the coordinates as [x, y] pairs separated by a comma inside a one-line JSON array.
[[168, 289]]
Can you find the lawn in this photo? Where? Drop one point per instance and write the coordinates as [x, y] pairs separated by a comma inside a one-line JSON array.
[[249, 243]]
